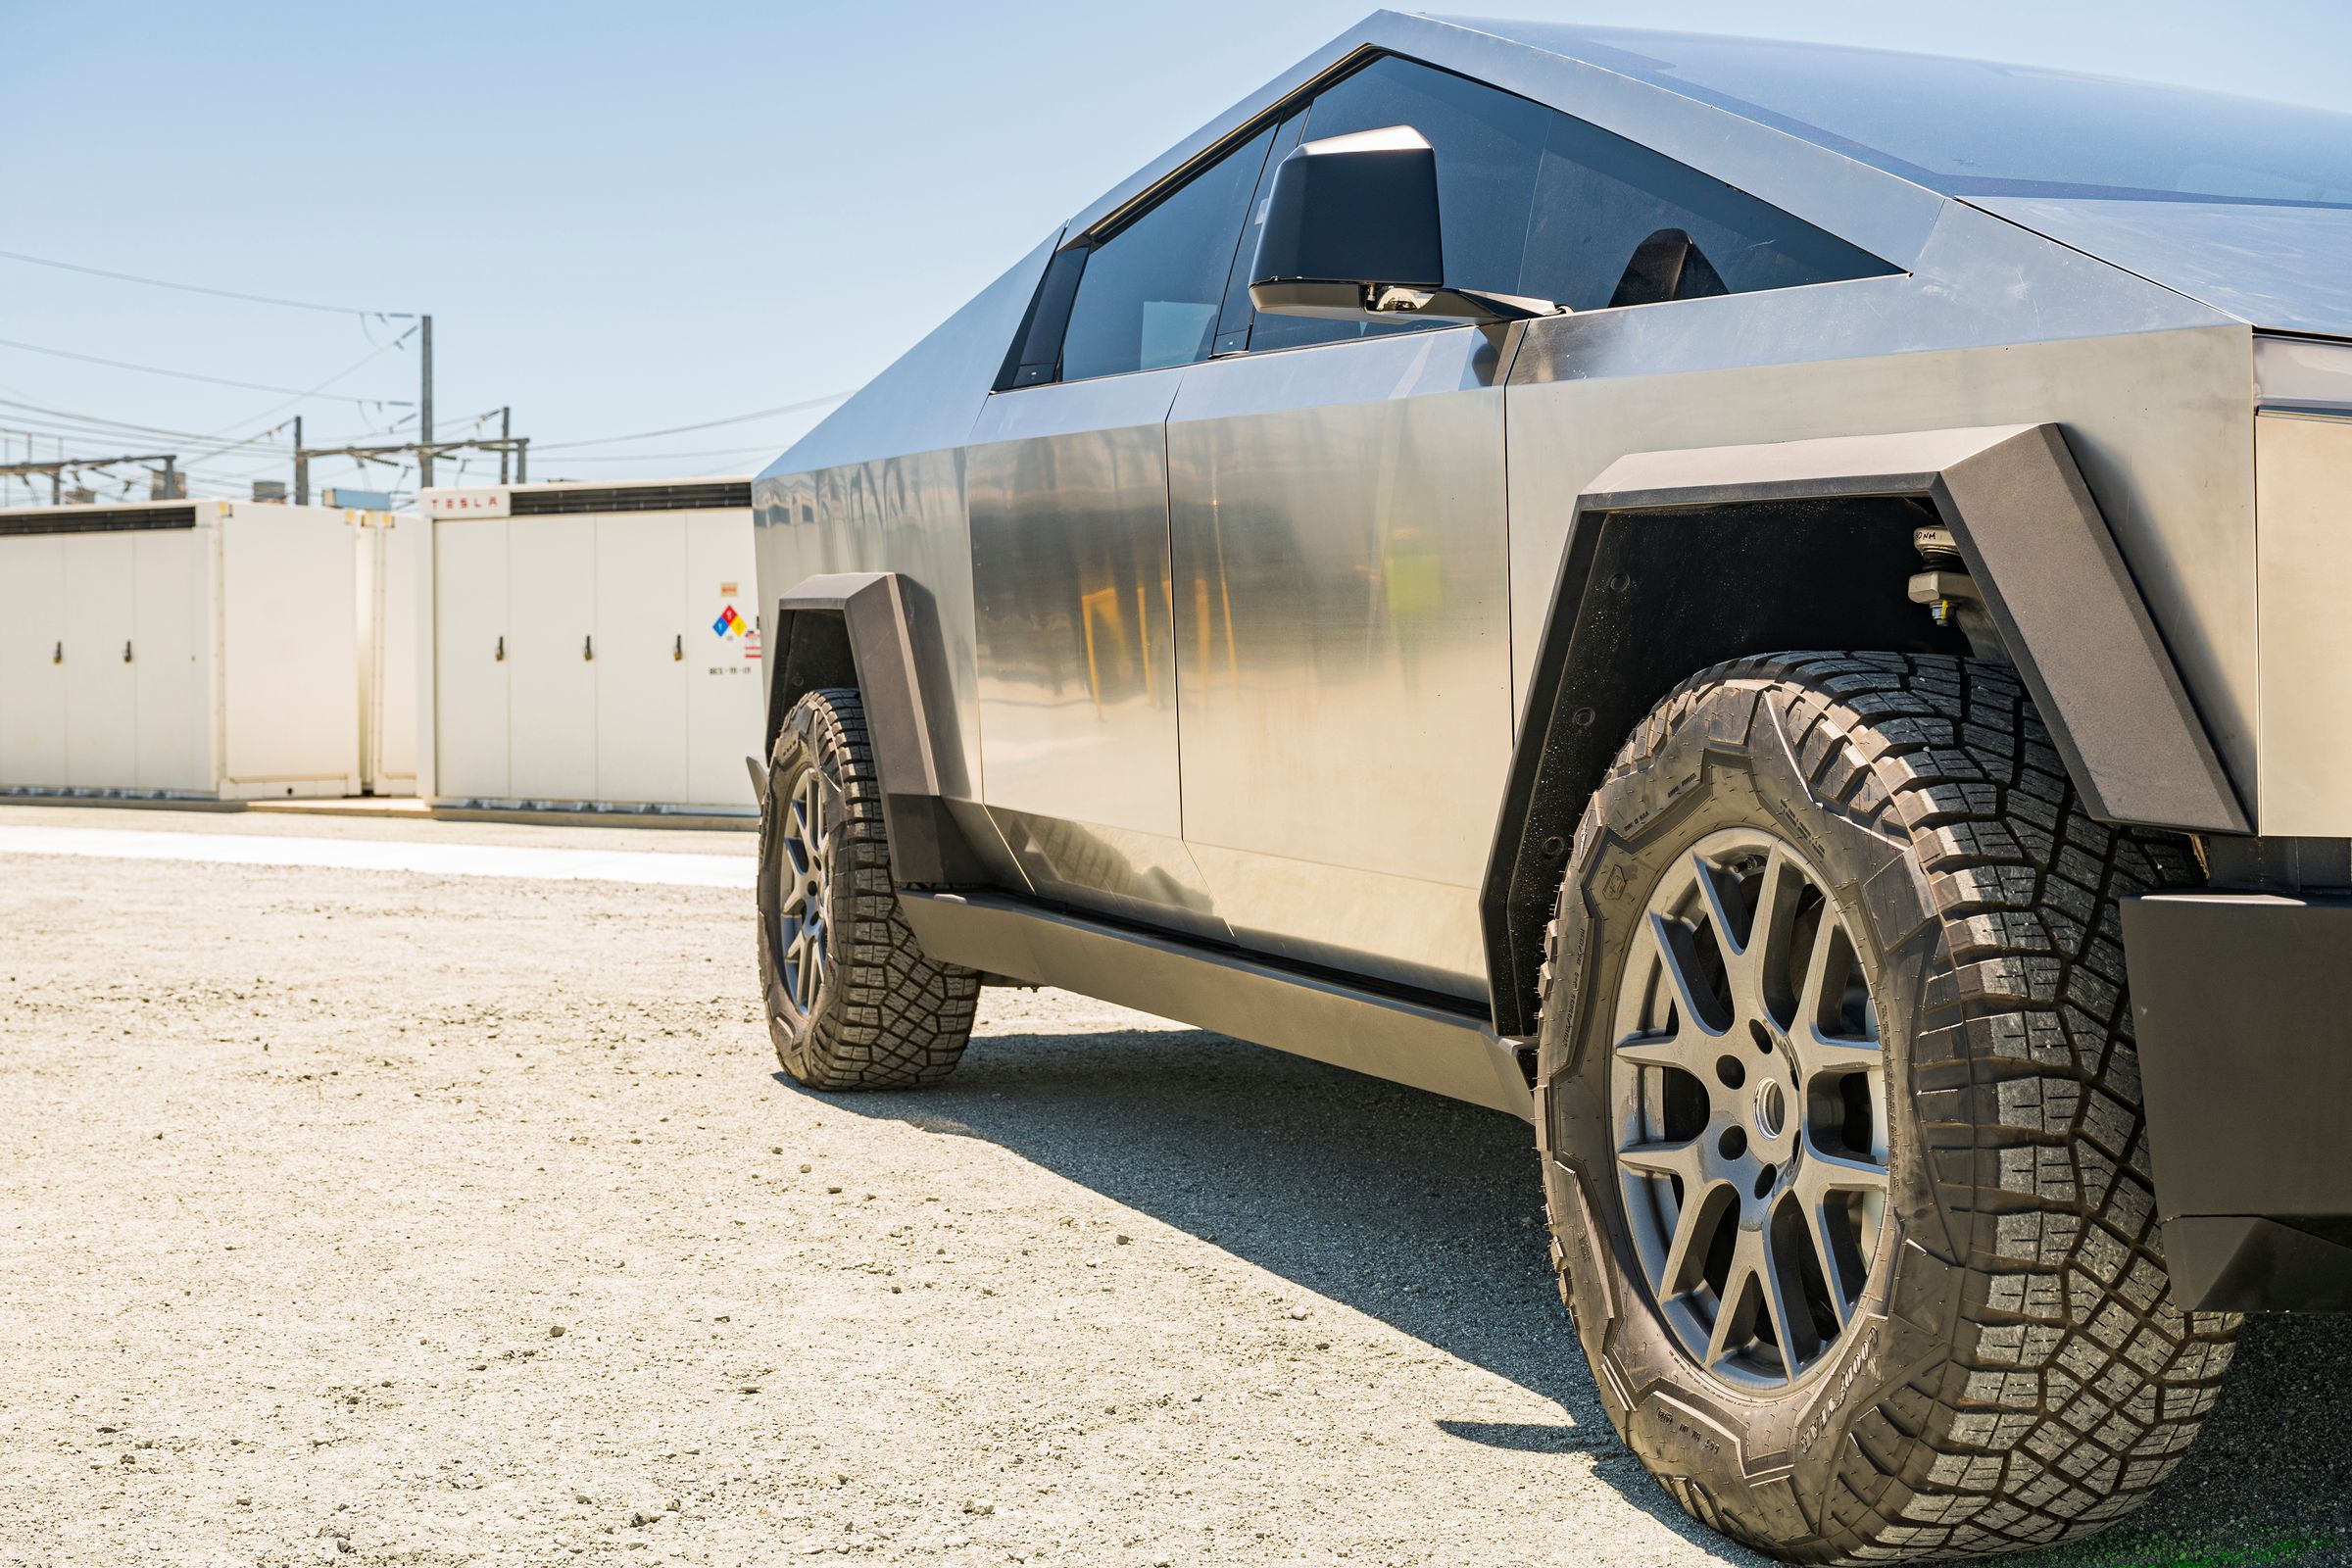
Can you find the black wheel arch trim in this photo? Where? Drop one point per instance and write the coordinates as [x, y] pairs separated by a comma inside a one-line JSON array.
[[864, 629], [1637, 606]]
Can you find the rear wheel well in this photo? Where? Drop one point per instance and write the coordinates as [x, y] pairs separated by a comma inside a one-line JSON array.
[[1646, 598]]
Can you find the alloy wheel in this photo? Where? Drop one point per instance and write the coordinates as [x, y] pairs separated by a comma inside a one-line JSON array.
[[1747, 1088], [806, 892]]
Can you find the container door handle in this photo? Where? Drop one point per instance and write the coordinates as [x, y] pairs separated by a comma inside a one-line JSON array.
[[588, 646], [677, 649], [127, 651], [501, 655], [57, 654]]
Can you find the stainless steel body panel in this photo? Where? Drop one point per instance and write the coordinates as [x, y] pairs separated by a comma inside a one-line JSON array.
[[1343, 611], [2303, 467], [901, 514], [1067, 491], [2275, 267], [1995, 327]]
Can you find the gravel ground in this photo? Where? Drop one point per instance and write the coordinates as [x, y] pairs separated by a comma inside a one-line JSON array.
[[391, 1218]]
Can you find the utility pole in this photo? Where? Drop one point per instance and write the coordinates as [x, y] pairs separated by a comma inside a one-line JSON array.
[[424, 409], [302, 468], [506, 433]]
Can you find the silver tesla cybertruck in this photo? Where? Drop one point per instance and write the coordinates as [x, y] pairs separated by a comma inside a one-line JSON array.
[[1777, 610]]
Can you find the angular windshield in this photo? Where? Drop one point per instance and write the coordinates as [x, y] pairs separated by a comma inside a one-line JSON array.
[[1967, 128]]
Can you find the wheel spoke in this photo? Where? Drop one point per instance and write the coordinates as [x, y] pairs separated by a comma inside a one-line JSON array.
[[1684, 1160], [1818, 1175], [1820, 1056], [1732, 1316], [1776, 1306], [1825, 1257], [1688, 1049], [1719, 912], [1694, 1001], [796, 893], [1818, 1051], [1771, 932], [1692, 1232]]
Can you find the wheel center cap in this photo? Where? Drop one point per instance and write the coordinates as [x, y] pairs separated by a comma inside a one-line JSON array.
[[1771, 1110]]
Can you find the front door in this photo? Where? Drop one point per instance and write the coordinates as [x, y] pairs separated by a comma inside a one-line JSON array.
[[1342, 579], [1067, 482]]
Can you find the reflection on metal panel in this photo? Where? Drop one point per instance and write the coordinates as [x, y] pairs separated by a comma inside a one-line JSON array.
[[901, 514], [1067, 492], [1068, 502], [1146, 877], [1343, 615], [1994, 328], [2277, 266], [2303, 474]]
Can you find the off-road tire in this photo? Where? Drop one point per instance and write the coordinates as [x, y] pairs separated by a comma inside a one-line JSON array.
[[884, 1016], [2015, 1372]]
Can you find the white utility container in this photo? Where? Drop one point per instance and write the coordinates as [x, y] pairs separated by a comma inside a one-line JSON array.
[[593, 645], [178, 648], [395, 613]]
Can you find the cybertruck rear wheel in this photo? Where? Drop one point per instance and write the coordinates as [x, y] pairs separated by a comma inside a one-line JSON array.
[[852, 1001], [1840, 1119]]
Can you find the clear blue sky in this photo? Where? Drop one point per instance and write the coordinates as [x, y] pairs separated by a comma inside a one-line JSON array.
[[631, 216]]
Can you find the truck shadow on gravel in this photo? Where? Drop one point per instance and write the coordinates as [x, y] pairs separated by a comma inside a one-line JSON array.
[[1425, 1213]]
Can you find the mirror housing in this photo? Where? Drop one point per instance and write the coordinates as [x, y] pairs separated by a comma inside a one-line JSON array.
[[1352, 235]]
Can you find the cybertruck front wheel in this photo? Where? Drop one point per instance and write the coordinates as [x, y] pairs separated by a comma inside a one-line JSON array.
[[1840, 1119], [852, 1001]]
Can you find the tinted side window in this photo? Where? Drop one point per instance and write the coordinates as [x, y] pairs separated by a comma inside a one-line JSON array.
[[1489, 147], [1151, 292], [1616, 224]]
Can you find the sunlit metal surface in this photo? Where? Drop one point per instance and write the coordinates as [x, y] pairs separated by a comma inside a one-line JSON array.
[[2304, 468], [1342, 645], [1067, 491], [1996, 326]]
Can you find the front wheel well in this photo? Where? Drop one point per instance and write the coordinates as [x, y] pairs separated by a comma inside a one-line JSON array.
[[1643, 600]]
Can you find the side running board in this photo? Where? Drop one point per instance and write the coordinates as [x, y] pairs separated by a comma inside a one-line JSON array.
[[1411, 1042]]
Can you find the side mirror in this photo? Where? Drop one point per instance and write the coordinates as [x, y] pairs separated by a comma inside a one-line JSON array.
[[1352, 233]]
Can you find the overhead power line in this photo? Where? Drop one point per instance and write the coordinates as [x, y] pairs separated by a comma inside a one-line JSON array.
[[198, 288], [321, 389], [72, 425], [215, 380], [658, 456], [707, 424]]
